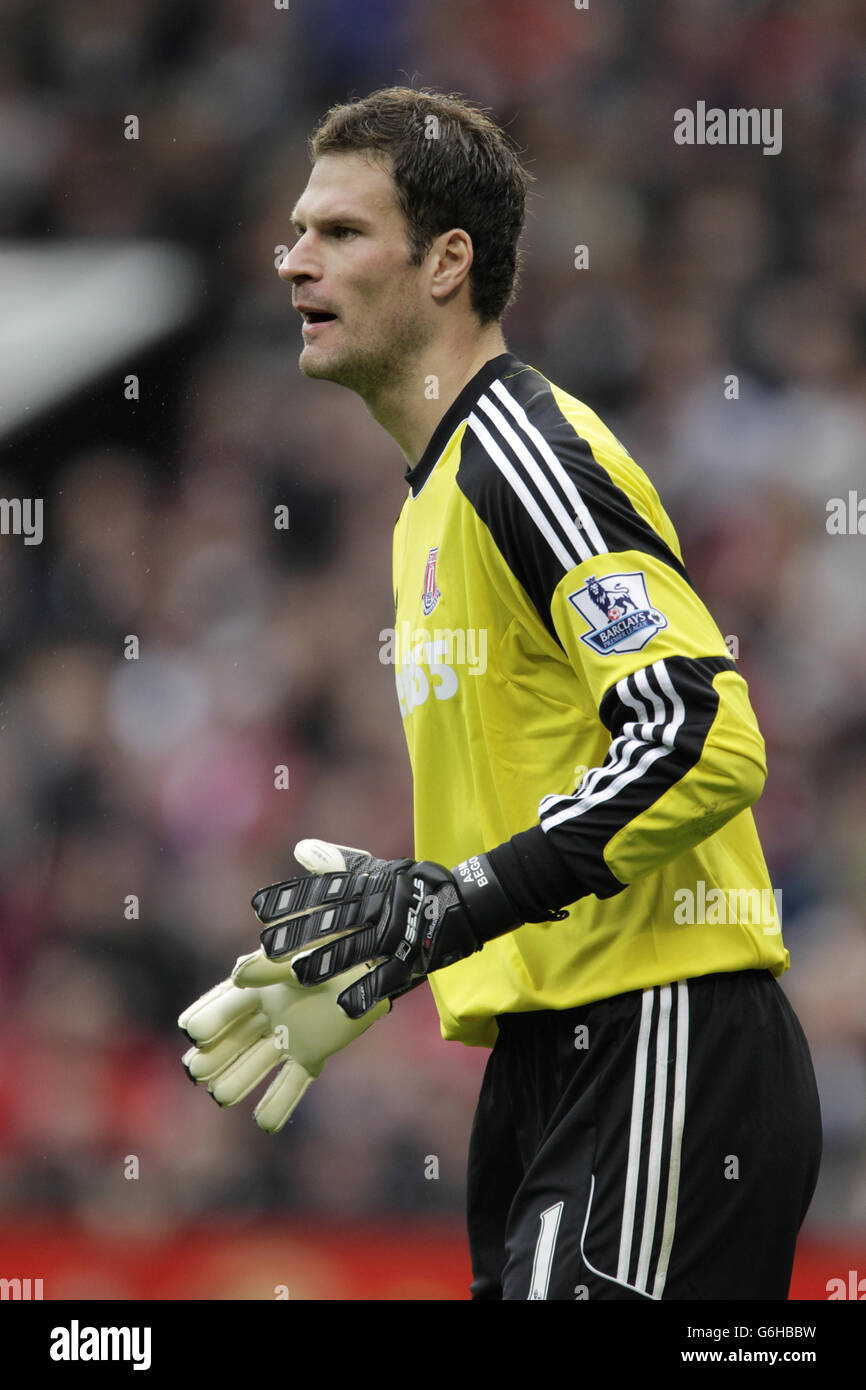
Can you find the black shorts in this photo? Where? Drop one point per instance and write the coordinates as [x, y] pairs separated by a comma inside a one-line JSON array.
[[662, 1144]]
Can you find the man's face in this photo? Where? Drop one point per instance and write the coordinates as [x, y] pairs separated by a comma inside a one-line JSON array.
[[351, 262]]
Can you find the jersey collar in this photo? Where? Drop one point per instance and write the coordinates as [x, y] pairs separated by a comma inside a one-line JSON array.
[[459, 409]]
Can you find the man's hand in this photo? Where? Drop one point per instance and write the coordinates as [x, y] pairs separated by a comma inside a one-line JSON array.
[[413, 917], [259, 1019], [302, 910]]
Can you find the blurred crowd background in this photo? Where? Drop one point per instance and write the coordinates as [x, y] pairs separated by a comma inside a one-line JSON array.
[[260, 647]]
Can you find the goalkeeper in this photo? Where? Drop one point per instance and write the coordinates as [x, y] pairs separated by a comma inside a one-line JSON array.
[[587, 896]]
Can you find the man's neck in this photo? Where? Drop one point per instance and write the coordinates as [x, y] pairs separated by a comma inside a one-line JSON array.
[[411, 409]]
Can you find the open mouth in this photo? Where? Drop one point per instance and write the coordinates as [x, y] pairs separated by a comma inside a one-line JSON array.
[[318, 318]]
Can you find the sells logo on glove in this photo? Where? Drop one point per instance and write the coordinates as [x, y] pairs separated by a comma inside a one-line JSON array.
[[412, 915]]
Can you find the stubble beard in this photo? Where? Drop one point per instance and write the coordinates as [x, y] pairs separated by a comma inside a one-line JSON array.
[[381, 367]]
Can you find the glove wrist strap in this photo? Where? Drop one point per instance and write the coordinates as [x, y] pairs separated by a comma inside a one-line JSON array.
[[488, 907]]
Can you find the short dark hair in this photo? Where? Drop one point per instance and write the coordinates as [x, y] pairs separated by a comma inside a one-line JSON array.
[[452, 166]]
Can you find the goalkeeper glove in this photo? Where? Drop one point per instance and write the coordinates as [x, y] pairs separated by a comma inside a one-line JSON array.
[[413, 917], [259, 1019]]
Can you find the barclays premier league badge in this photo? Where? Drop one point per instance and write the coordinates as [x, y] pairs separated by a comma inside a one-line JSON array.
[[619, 613]]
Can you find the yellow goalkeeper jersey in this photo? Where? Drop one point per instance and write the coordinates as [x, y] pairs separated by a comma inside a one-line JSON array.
[[556, 670]]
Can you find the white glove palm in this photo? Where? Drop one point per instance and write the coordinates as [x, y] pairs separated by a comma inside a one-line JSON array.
[[241, 1033], [261, 1018]]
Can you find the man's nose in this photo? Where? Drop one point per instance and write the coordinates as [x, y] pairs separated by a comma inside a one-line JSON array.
[[298, 262]]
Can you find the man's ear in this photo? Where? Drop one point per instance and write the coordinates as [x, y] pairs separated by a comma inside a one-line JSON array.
[[452, 257]]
